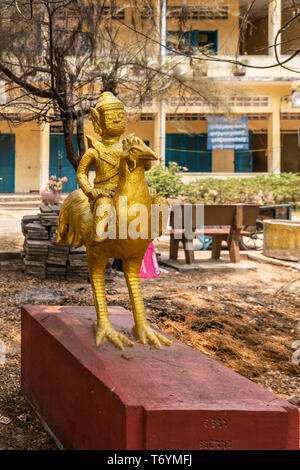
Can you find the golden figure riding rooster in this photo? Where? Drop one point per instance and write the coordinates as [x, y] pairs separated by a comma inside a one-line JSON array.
[[116, 218]]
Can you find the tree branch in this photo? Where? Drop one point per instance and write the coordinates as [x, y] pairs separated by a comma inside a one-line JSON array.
[[24, 84]]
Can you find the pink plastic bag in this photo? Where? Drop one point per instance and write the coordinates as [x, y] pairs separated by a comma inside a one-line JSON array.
[[149, 266]]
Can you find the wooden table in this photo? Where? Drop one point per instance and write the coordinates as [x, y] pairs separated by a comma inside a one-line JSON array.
[[185, 224]]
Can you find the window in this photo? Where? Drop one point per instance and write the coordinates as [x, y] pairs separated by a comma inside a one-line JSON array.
[[20, 43], [258, 117], [85, 42], [147, 12], [175, 101], [81, 43], [146, 117], [189, 42], [185, 117], [262, 101], [290, 116], [190, 151], [117, 12]]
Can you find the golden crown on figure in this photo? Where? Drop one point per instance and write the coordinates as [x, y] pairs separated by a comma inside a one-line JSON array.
[[108, 101]]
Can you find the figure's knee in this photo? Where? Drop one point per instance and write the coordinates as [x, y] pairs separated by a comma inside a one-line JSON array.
[[102, 206]]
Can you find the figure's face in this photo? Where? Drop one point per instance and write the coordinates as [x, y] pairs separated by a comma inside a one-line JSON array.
[[113, 121]]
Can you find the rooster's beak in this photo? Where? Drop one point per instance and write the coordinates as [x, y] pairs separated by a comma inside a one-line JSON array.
[[148, 155]]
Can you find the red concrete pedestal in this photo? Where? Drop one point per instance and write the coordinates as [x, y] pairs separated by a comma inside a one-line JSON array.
[[176, 398]]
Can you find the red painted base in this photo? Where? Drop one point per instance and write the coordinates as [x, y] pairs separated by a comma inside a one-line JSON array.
[[176, 398]]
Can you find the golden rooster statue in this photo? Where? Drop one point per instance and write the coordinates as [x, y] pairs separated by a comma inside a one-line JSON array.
[[104, 217]]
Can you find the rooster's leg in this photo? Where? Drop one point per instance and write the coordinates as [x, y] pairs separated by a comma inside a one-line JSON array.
[[103, 328], [142, 329]]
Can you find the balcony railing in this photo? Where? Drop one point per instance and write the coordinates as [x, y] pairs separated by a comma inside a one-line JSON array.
[[257, 67]]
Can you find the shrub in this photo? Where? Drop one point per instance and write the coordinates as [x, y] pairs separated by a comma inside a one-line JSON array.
[[166, 180], [260, 189]]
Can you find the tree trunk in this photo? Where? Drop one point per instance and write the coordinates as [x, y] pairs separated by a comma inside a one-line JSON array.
[[72, 155]]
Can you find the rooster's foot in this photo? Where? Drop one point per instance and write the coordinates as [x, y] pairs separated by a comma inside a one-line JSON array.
[[108, 333], [145, 334]]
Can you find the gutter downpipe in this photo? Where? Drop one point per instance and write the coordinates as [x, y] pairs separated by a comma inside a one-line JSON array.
[[163, 34]]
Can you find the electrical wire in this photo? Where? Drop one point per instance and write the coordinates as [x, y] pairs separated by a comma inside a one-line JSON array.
[[206, 151]]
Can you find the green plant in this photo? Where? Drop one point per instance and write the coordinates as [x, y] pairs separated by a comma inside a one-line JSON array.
[[239, 69], [166, 180]]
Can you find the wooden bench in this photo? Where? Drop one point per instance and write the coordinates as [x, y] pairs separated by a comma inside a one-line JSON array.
[[235, 216]]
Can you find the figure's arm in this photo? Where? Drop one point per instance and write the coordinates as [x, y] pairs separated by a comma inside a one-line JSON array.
[[83, 171]]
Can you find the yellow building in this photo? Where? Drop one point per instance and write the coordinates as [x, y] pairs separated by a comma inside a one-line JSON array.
[[268, 95]]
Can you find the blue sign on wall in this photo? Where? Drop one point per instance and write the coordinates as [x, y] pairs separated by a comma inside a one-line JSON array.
[[224, 134]]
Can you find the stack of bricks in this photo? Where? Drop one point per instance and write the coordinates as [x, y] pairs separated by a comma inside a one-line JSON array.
[[77, 268], [43, 257]]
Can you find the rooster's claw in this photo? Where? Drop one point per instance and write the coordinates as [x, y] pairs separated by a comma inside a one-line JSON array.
[[145, 334]]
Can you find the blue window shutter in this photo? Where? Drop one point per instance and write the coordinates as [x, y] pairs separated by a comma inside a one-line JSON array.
[[216, 41], [168, 147], [192, 145], [7, 163], [205, 161], [213, 40], [194, 38], [192, 158], [59, 164], [174, 142]]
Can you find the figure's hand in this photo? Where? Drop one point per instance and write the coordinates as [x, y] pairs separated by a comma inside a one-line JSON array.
[[95, 192], [130, 140]]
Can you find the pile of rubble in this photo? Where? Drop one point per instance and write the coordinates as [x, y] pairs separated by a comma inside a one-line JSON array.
[[43, 257]]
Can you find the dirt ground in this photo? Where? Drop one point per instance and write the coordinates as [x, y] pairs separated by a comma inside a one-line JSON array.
[[246, 321]]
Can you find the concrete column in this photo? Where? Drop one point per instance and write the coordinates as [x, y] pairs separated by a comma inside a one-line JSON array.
[[274, 142], [44, 155], [274, 24]]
